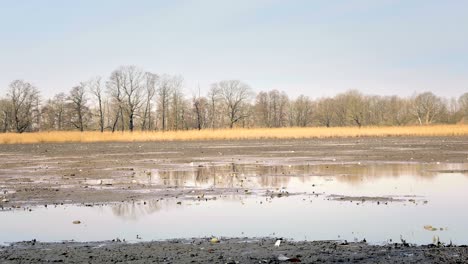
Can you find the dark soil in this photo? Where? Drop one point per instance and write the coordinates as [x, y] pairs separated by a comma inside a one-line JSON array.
[[228, 251]]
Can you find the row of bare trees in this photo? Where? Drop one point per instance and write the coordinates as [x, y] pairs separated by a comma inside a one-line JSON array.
[[133, 99]]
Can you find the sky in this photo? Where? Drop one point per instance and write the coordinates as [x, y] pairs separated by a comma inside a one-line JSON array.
[[316, 48]]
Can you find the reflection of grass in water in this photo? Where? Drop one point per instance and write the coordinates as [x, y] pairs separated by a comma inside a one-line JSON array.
[[235, 134]]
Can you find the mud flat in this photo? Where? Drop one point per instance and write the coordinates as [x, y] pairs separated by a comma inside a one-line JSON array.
[[234, 250], [41, 174], [323, 192]]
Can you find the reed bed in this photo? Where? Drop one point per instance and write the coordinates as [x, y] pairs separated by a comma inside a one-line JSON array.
[[235, 134]]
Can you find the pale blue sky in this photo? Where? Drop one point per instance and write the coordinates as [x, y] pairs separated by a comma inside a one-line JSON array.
[[317, 48]]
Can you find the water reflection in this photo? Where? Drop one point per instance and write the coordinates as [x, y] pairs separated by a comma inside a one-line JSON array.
[[303, 216], [277, 176], [299, 217], [135, 210], [140, 209]]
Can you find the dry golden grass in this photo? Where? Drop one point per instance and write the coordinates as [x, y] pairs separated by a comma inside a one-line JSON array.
[[235, 134]]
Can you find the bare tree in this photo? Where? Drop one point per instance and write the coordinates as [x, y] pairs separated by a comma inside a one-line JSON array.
[[200, 109], [357, 106], [340, 110], [376, 110], [463, 104], [132, 88], [426, 107], [5, 115], [262, 109], [59, 106], [271, 108], [213, 97], [115, 90], [452, 112], [352, 108], [235, 95], [126, 89], [302, 111], [24, 99], [177, 107], [324, 111], [150, 91], [164, 91], [78, 100], [398, 111], [48, 116], [275, 106], [280, 102], [96, 89], [54, 112]]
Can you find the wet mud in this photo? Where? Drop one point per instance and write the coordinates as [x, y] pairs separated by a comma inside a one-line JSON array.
[[229, 251], [39, 174]]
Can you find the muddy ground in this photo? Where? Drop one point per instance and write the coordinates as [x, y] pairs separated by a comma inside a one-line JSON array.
[[229, 251], [41, 174], [45, 174]]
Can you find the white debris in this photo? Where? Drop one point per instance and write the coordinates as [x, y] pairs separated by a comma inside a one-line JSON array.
[[278, 242]]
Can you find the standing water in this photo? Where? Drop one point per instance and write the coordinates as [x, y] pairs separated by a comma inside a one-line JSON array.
[[381, 203]]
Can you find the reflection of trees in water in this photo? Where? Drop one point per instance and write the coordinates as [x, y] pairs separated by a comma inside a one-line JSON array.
[[132, 211], [207, 176], [174, 177], [275, 181], [234, 175], [280, 175], [355, 174]]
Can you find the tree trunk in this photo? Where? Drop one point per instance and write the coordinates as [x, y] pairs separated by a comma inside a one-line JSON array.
[[130, 123], [101, 116]]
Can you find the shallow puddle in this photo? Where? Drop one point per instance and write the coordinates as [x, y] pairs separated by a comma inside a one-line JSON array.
[[377, 202]]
